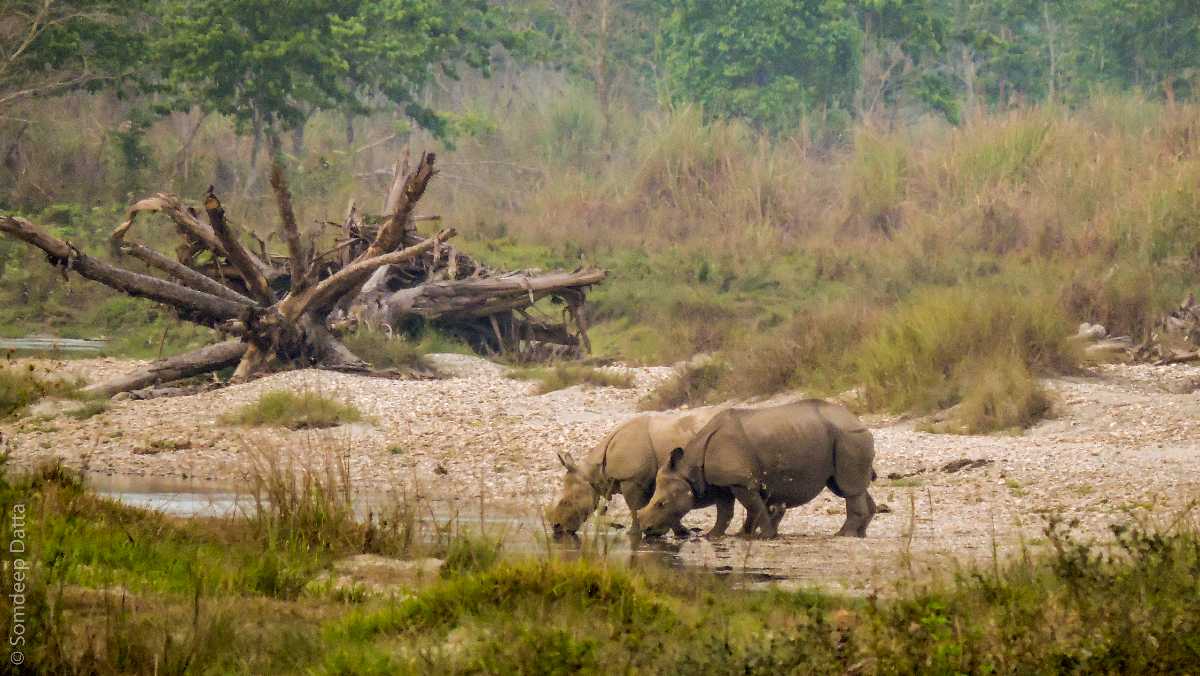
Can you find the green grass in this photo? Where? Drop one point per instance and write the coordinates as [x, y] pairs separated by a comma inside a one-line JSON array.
[[401, 351], [241, 595], [88, 410], [692, 384], [562, 376], [284, 408], [22, 386], [945, 344]]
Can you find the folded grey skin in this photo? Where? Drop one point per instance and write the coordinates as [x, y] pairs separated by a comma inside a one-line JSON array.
[[769, 459]]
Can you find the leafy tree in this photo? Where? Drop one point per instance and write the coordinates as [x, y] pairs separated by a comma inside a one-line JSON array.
[[905, 42], [268, 64], [49, 46], [768, 61], [1150, 44]]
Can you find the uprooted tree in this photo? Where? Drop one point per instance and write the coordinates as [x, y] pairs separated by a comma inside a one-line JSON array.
[[281, 312]]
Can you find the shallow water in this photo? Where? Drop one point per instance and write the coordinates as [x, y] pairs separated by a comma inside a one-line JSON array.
[[50, 344], [519, 526]]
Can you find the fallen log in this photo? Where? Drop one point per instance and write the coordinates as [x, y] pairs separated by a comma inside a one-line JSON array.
[[204, 360], [288, 311], [472, 297]]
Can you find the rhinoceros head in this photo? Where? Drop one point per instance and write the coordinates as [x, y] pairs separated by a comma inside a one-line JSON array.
[[576, 501], [673, 497]]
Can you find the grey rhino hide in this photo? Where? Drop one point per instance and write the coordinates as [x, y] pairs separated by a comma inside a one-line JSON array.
[[627, 460], [777, 457]]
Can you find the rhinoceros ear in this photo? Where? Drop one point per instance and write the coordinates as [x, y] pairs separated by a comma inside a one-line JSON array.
[[567, 462], [676, 458]]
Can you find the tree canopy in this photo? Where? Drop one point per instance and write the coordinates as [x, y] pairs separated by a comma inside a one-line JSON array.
[[48, 46], [271, 63]]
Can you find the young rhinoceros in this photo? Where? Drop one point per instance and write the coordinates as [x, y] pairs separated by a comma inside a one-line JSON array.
[[769, 459], [626, 462]]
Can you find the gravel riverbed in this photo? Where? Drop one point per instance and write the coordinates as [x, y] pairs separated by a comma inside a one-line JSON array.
[[1124, 445]]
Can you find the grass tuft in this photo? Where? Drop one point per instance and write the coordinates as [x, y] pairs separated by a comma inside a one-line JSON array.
[[284, 408], [946, 345], [562, 376], [692, 384], [22, 386]]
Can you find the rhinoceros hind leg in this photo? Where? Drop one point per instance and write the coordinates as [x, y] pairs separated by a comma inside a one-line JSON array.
[[859, 511], [758, 518], [777, 511]]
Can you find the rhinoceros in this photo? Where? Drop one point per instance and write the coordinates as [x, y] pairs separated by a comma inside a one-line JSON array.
[[769, 459], [625, 462]]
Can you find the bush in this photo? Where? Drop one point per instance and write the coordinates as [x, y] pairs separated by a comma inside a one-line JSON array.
[[386, 352], [284, 408], [814, 350], [1000, 394], [924, 354]]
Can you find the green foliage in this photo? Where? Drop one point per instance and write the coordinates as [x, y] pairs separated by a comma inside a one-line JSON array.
[[767, 61], [692, 384], [22, 386], [212, 596], [54, 45], [284, 408], [562, 376], [1002, 395], [384, 351], [470, 554], [924, 356], [270, 64]]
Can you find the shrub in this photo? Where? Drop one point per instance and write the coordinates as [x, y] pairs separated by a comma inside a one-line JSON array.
[[284, 408], [386, 352], [813, 350], [1000, 394], [923, 355]]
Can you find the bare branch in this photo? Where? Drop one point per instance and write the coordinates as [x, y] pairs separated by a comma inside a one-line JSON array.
[[183, 273], [201, 361], [202, 307], [325, 294], [391, 234], [291, 231], [243, 260]]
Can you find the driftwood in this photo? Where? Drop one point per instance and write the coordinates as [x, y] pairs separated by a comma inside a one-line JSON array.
[[288, 311], [1175, 338]]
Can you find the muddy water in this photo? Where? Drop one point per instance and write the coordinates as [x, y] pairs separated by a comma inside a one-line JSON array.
[[795, 561]]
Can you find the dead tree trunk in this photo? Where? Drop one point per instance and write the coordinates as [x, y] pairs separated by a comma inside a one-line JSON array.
[[282, 310]]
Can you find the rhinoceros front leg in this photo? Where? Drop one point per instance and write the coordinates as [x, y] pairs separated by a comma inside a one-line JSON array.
[[724, 502], [757, 517], [636, 497], [860, 509]]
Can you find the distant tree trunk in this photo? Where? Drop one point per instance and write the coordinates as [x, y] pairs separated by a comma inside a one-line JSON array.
[[298, 141], [1052, 85]]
